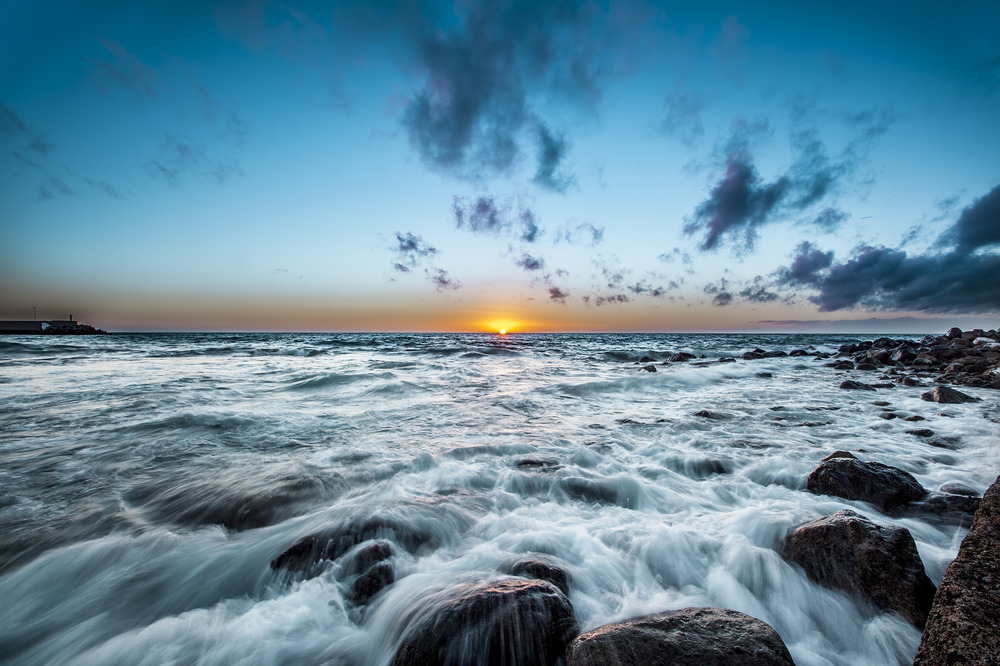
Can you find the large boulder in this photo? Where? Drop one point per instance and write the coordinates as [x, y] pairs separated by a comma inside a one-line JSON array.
[[876, 563], [962, 625], [513, 621], [947, 395], [882, 485], [542, 568], [686, 637]]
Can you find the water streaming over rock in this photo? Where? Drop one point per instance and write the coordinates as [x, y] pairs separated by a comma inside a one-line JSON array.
[[150, 480]]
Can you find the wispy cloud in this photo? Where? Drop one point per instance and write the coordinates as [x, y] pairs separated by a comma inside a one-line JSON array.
[[126, 70]]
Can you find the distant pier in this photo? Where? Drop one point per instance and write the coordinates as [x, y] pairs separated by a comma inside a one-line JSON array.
[[48, 327]]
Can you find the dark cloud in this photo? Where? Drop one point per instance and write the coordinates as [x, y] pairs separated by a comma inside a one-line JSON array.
[[222, 117], [614, 298], [883, 278], [830, 219], [529, 226], [584, 232], [552, 150], [410, 250], [722, 299], [805, 268], [179, 157], [11, 124], [126, 70], [497, 216], [758, 294], [978, 226], [530, 263], [557, 294], [442, 281], [54, 187], [682, 119], [482, 72], [741, 201], [962, 279]]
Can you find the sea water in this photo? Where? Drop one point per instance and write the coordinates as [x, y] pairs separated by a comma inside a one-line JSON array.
[[149, 479]]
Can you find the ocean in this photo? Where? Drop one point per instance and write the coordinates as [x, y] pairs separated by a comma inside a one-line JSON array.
[[149, 480]]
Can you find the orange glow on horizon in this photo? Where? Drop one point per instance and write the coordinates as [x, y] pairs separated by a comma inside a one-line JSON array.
[[504, 326]]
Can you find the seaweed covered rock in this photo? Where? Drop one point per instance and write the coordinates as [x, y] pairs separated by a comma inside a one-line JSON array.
[[876, 563], [962, 625], [882, 485], [506, 622], [686, 637]]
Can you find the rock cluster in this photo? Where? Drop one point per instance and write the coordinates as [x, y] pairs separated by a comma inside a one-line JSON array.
[[962, 625], [967, 358]]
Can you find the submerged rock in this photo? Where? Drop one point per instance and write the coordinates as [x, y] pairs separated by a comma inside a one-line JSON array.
[[947, 395], [877, 563], [542, 568], [507, 622], [962, 625], [882, 485], [852, 385], [686, 637]]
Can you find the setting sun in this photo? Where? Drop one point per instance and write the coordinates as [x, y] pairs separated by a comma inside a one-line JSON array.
[[503, 331], [503, 326]]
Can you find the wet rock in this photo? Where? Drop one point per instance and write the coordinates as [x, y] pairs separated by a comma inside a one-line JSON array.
[[368, 555], [539, 464], [542, 568], [866, 366], [882, 485], [410, 532], [880, 403], [507, 622], [876, 563], [947, 395], [888, 416], [921, 432], [951, 507], [954, 333], [646, 359], [962, 625], [852, 385], [649, 368], [680, 357], [606, 491], [841, 365], [686, 637], [727, 359], [706, 414], [914, 418], [956, 488], [752, 356], [840, 454], [764, 375], [373, 581], [798, 352], [775, 353]]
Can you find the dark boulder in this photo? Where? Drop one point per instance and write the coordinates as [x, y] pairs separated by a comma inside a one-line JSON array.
[[752, 356], [649, 368], [839, 454], [866, 366], [876, 563], [947, 395], [373, 581], [542, 568], [962, 625], [954, 333], [947, 507], [884, 486], [921, 432], [727, 359], [852, 385], [507, 622], [686, 637]]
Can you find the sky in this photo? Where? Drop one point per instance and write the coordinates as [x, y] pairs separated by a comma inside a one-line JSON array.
[[477, 165]]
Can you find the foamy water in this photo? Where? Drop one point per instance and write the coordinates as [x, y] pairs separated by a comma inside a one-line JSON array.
[[150, 479]]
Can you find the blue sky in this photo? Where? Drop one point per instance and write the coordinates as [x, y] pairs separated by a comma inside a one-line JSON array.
[[461, 166]]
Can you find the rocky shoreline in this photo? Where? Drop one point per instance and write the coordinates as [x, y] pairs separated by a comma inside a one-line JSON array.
[[524, 615]]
